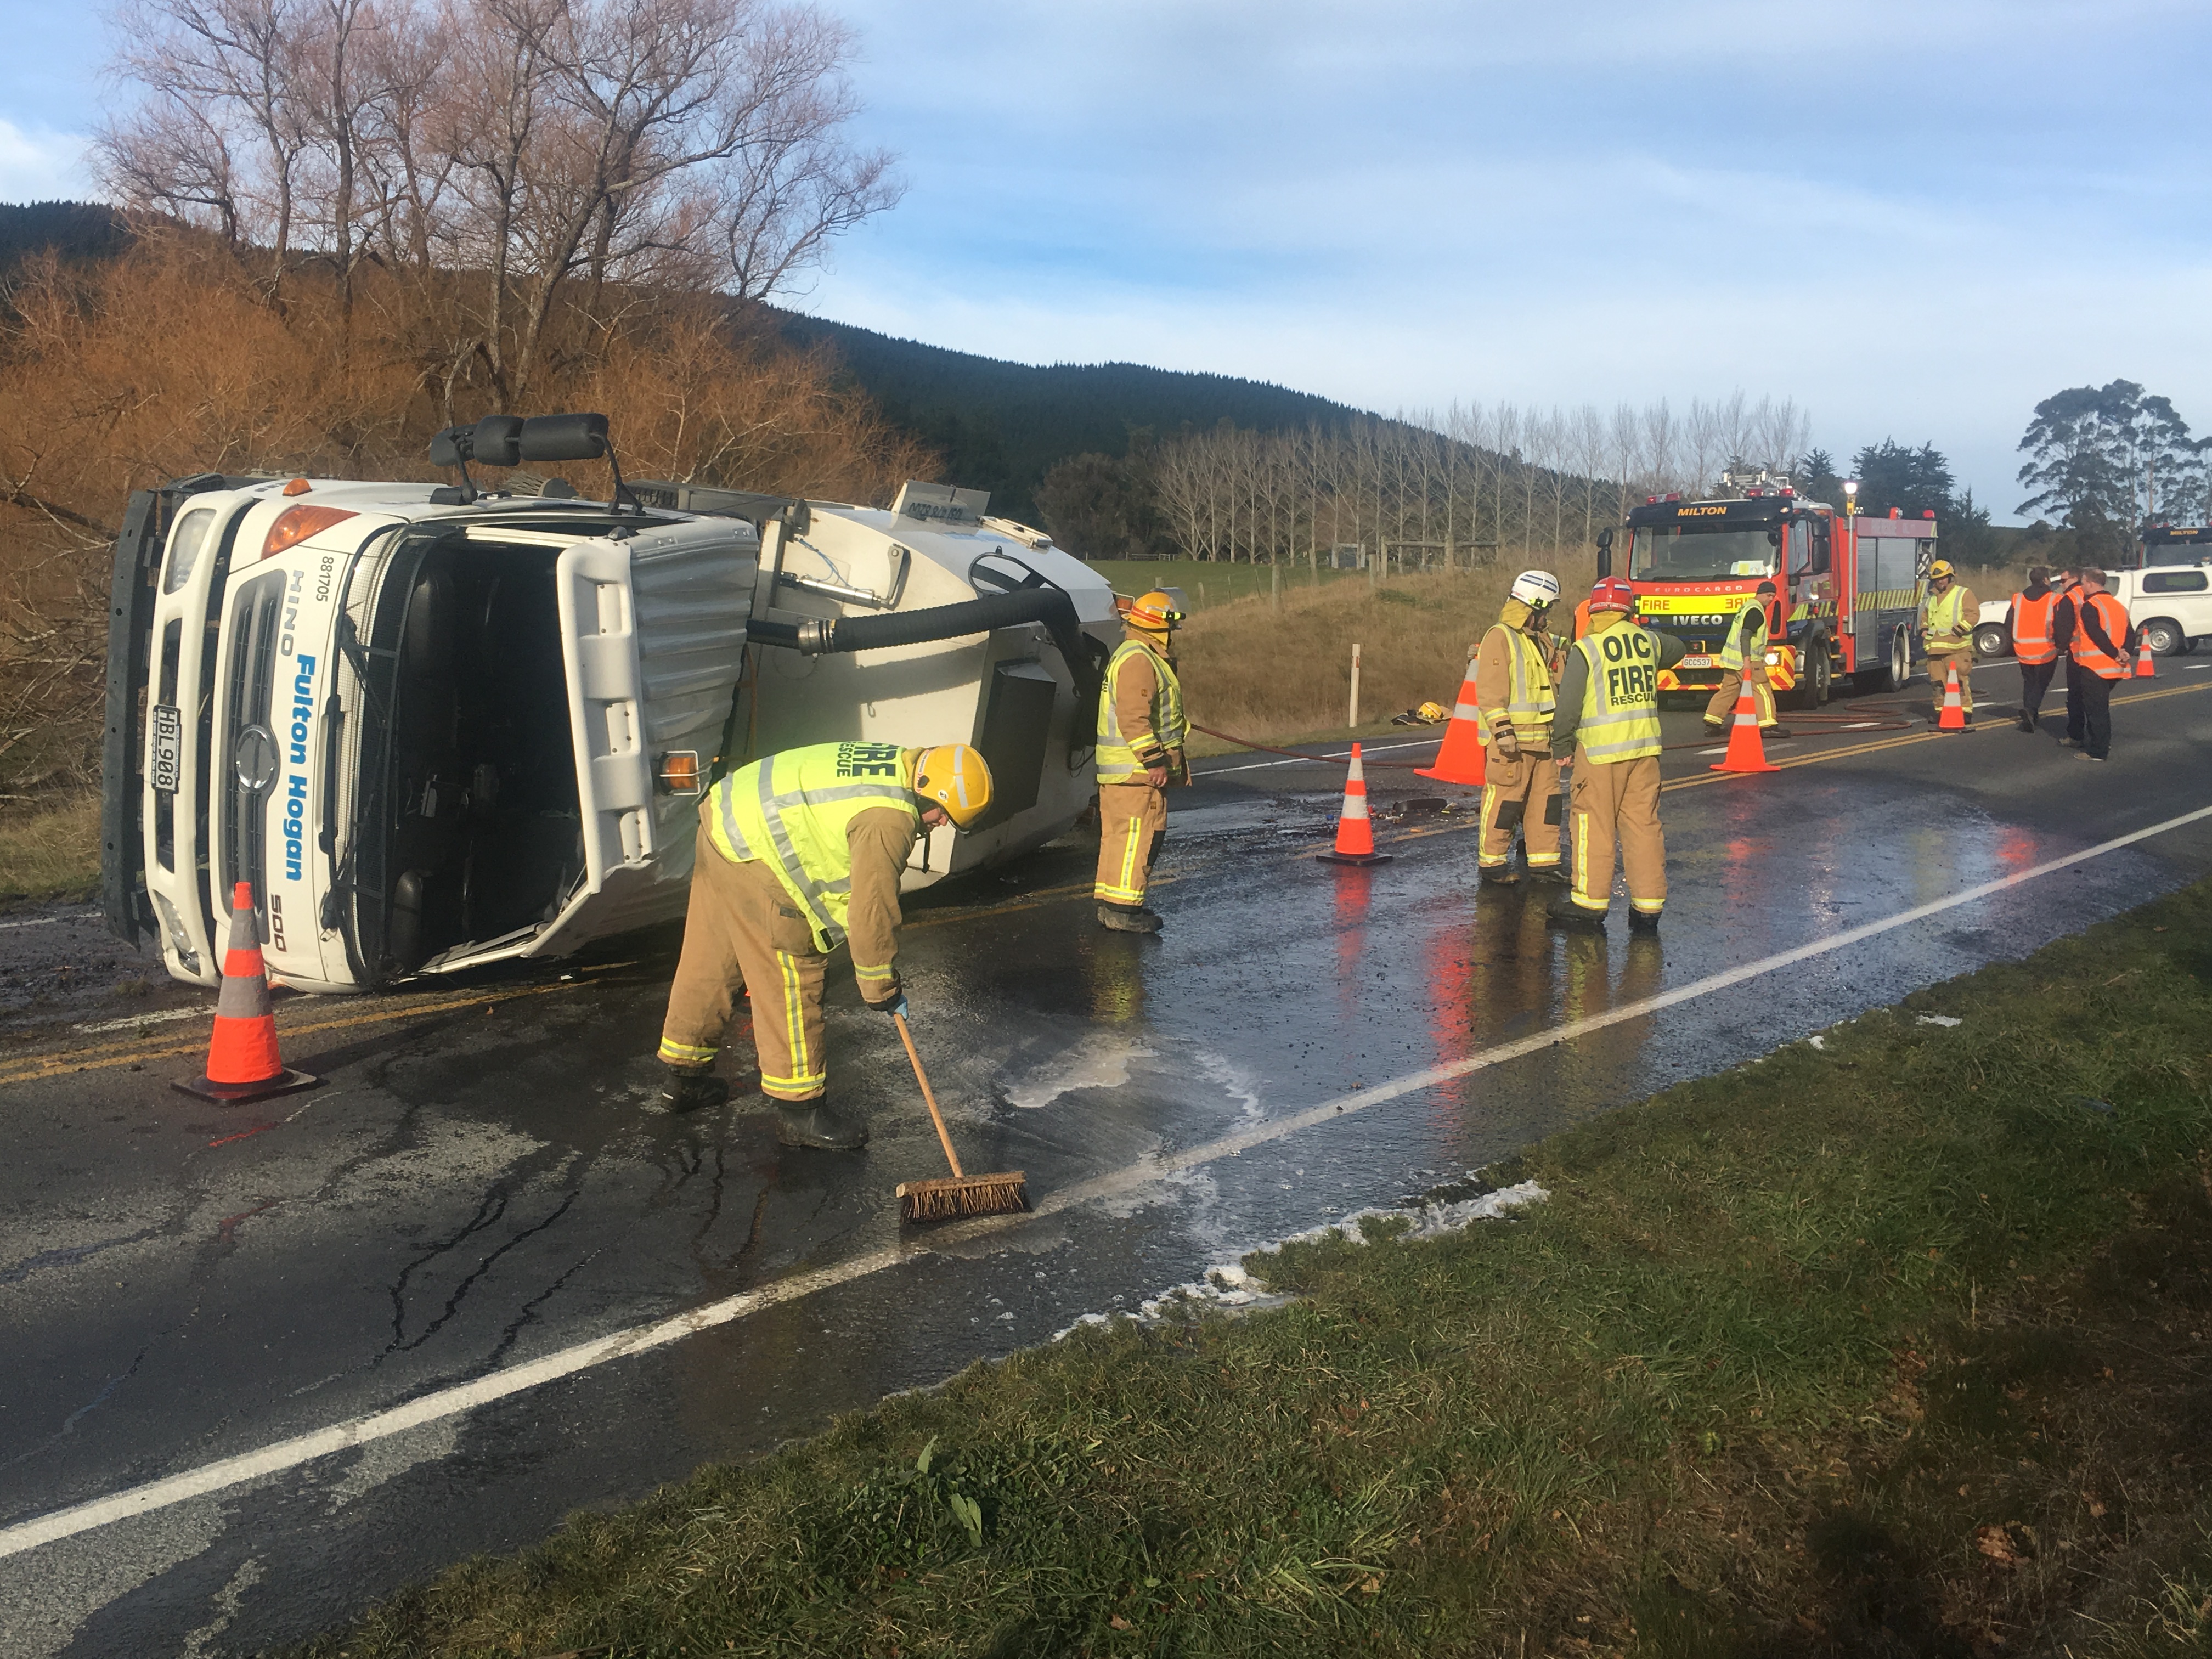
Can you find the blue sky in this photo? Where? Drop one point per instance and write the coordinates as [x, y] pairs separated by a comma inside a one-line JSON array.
[[1917, 219]]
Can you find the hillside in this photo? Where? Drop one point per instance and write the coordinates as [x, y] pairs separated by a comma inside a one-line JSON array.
[[1000, 424]]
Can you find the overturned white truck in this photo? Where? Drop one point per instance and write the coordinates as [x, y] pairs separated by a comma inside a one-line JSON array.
[[435, 728]]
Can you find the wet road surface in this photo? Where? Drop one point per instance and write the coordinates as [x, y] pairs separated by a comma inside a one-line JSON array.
[[484, 1183]]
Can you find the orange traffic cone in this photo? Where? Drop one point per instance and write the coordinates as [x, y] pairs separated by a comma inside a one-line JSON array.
[[2144, 669], [1355, 840], [1746, 750], [242, 1062], [1462, 759], [1953, 717]]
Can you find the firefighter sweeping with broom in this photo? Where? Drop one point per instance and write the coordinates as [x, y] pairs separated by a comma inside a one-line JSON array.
[[796, 853]]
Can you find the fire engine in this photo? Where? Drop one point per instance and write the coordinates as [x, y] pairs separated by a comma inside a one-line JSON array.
[[1847, 587]]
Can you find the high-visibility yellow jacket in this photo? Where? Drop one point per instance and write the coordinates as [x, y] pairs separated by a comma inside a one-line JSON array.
[[1745, 643], [1123, 754], [1947, 620], [1619, 716], [1513, 681], [796, 812]]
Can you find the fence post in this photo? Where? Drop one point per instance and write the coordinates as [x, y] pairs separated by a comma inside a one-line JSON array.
[[1353, 721]]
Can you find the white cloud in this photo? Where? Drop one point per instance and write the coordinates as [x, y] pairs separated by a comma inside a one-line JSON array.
[[38, 164]]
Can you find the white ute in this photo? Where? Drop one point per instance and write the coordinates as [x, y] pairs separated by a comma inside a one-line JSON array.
[[434, 729]]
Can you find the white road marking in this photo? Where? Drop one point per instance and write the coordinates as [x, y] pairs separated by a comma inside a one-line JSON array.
[[2195, 667], [1721, 749], [1860, 725], [585, 1356], [47, 921], [160, 1018], [1365, 749]]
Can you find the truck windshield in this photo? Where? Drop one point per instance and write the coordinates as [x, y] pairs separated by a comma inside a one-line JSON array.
[[1665, 553]]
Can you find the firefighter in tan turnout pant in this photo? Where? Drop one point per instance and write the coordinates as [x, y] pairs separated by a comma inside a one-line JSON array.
[[1513, 670], [1608, 721], [1141, 732], [796, 855]]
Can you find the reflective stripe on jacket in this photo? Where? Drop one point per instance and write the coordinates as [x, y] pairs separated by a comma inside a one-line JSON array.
[[792, 811], [1117, 761], [1528, 702], [2030, 627], [2112, 617], [1943, 619], [1619, 719], [1735, 649]]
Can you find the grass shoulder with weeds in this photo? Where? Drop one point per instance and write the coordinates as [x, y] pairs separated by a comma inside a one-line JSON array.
[[1896, 1346], [49, 849]]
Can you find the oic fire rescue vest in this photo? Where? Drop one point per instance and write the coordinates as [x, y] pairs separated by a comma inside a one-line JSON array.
[[1619, 719], [792, 811], [1117, 761], [1736, 648], [2030, 627], [1529, 704], [1943, 619], [2113, 616]]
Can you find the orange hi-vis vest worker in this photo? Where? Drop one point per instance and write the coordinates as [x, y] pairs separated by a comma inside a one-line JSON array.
[[2112, 617], [2030, 627]]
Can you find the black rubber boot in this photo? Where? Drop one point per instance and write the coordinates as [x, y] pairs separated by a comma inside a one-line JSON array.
[[1497, 875], [1564, 912], [1643, 922], [688, 1090], [817, 1126], [2028, 722], [1558, 874], [1716, 728], [1770, 731], [1128, 919]]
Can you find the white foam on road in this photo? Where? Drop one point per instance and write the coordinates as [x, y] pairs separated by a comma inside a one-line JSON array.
[[1099, 1061], [131, 1022], [444, 1403]]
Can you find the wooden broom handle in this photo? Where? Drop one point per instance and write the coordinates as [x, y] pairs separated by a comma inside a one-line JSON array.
[[935, 1116]]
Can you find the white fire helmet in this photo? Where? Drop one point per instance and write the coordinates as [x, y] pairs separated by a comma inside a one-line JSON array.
[[1536, 588]]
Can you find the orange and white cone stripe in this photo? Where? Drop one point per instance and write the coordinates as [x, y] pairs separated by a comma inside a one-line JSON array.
[[1461, 760], [243, 1063], [1355, 836]]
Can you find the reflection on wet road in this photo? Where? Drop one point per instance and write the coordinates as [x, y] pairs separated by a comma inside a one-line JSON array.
[[484, 1190]]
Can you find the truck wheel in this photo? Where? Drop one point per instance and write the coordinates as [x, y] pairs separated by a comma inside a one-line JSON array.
[[1814, 675], [1900, 662], [1989, 641], [2164, 637]]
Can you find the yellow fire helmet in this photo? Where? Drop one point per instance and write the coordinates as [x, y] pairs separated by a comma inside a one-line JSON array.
[[954, 776], [1156, 611], [1940, 567]]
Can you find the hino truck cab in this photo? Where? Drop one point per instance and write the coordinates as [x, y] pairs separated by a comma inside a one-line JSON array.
[[433, 728]]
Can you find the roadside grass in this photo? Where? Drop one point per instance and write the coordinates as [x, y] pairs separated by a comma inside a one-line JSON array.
[[1209, 582], [50, 848], [1893, 1346], [1258, 670]]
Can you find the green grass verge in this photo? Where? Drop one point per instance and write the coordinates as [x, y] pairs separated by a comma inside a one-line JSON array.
[[1894, 1346], [50, 850]]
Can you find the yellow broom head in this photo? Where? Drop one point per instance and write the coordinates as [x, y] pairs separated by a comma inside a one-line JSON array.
[[951, 1198]]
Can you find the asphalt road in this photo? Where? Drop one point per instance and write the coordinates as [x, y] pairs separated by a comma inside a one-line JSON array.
[[266, 1365]]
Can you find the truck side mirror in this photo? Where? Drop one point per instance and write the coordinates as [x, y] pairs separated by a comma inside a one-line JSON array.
[[1604, 553], [495, 442], [454, 447], [562, 438]]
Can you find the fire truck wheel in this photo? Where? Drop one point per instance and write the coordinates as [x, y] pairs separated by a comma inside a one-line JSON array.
[[1900, 662], [1813, 678]]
